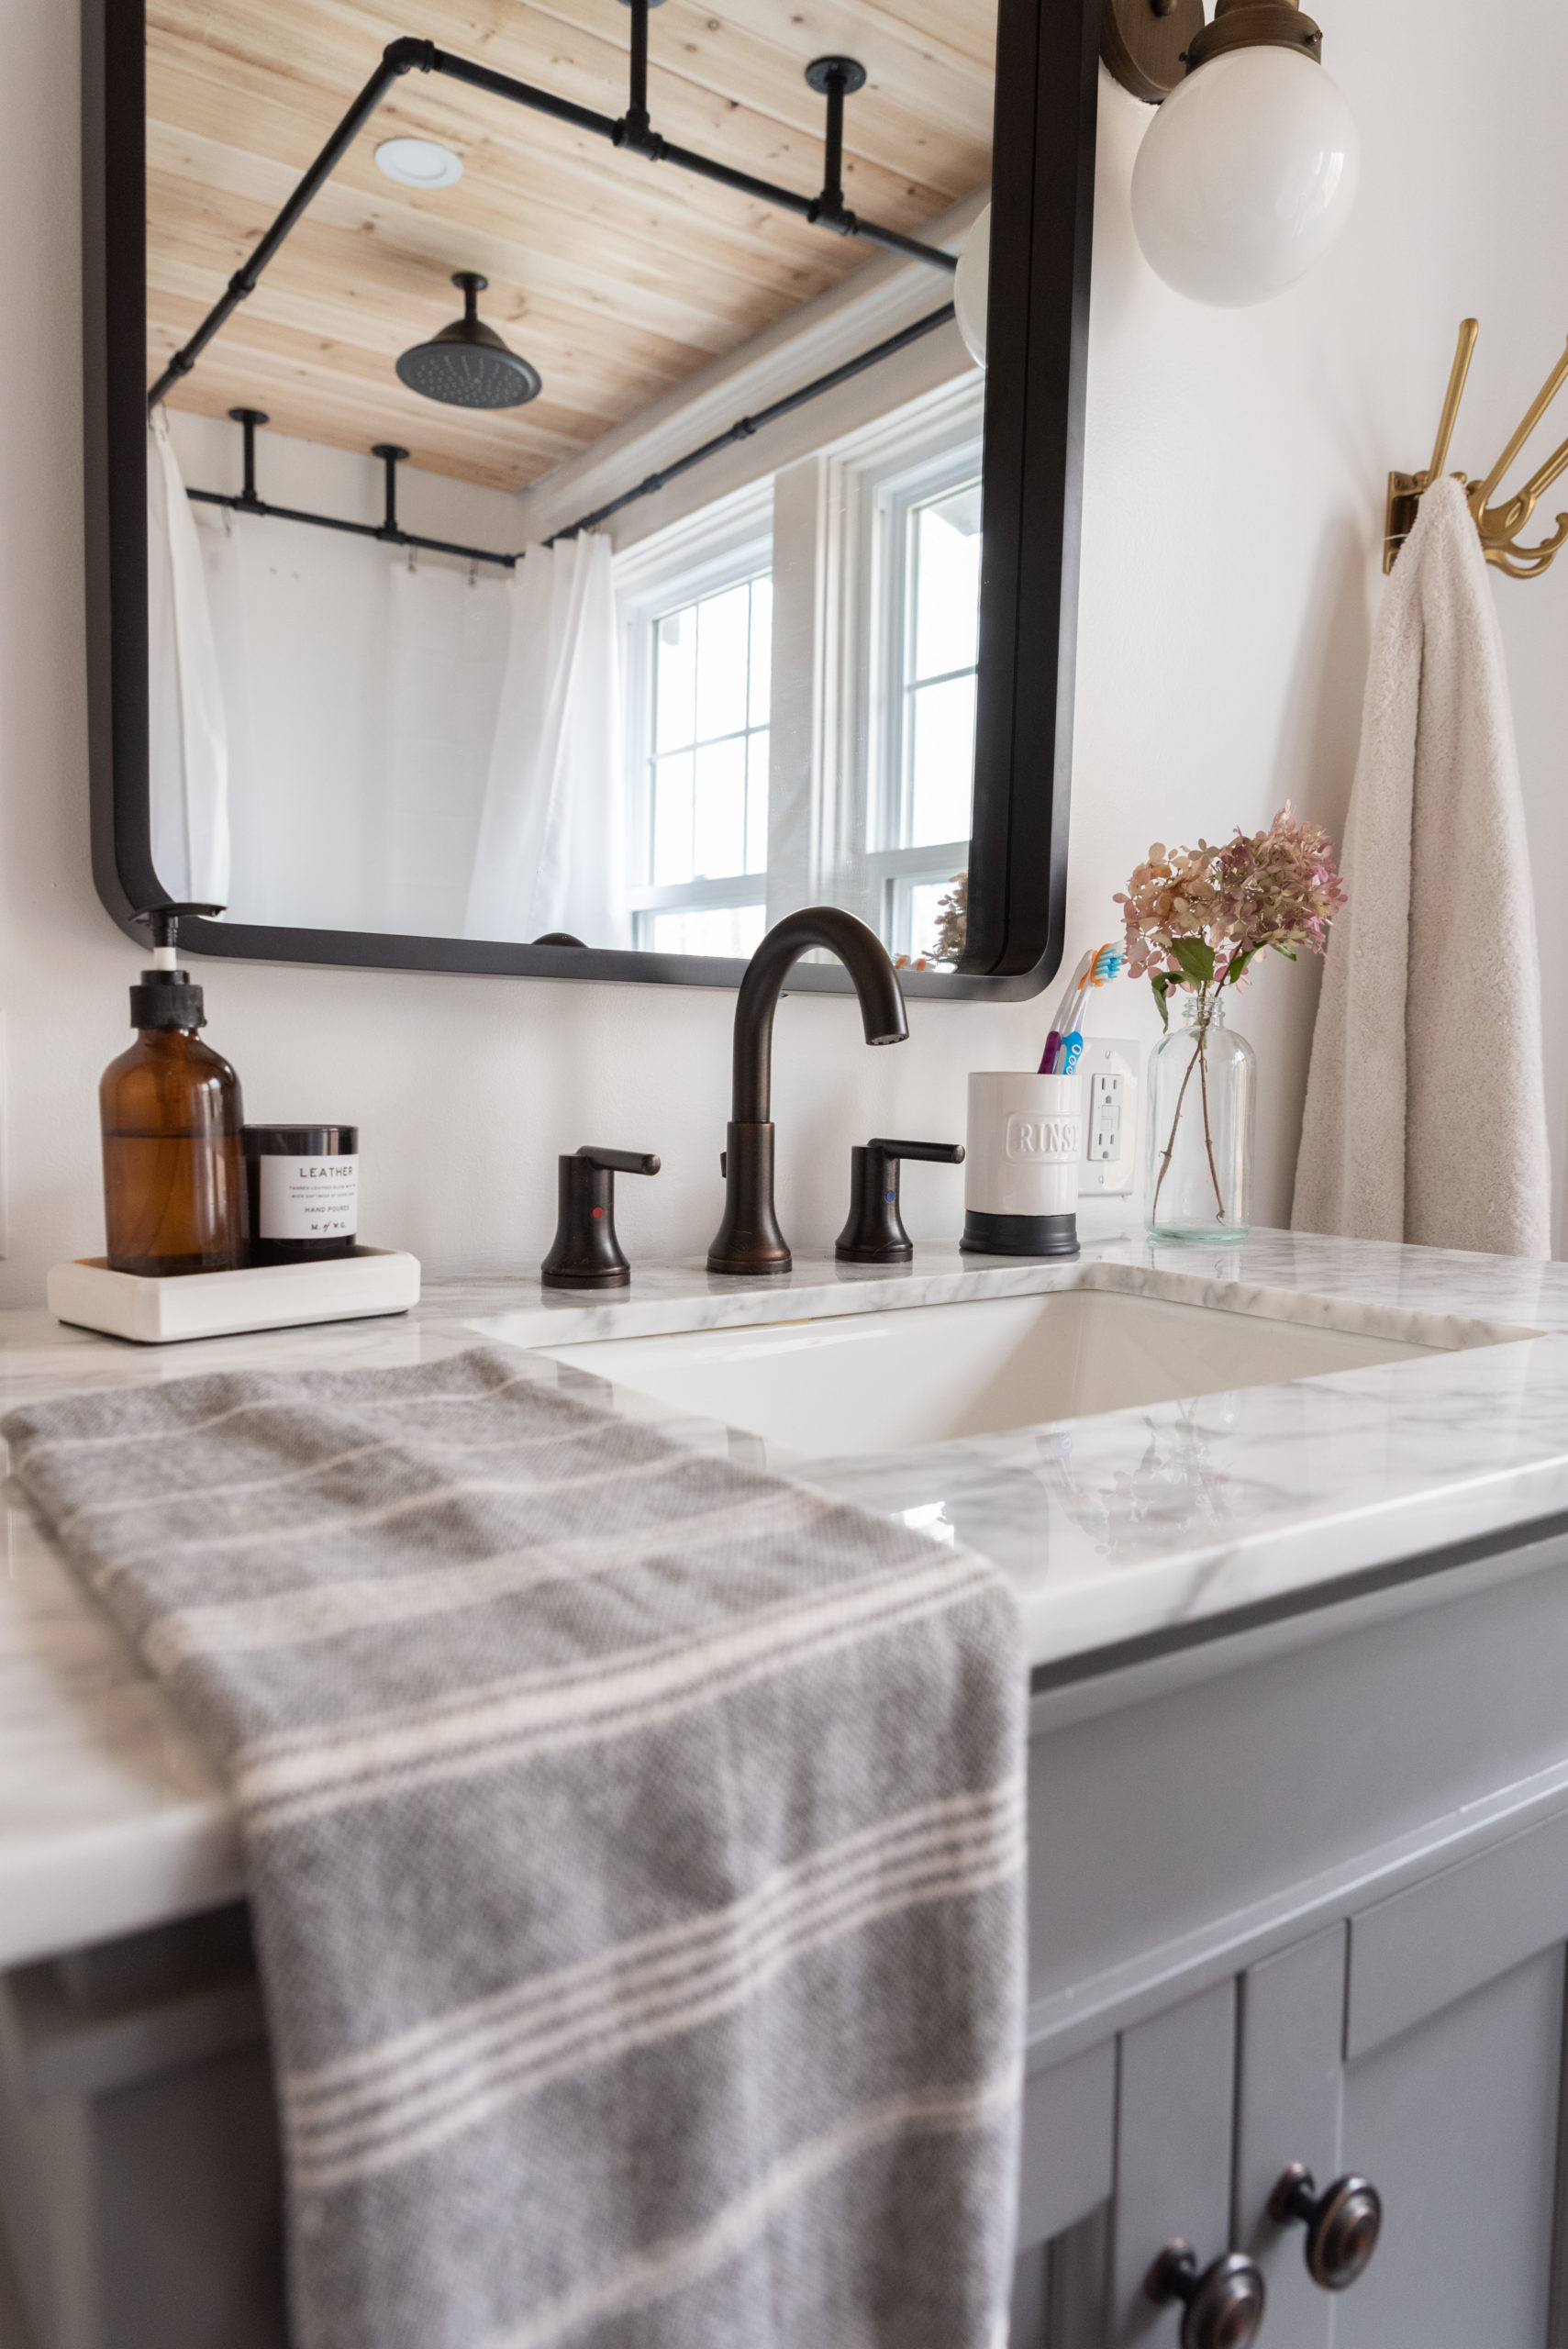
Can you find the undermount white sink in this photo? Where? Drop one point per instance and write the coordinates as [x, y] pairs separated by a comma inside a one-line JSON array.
[[893, 1380]]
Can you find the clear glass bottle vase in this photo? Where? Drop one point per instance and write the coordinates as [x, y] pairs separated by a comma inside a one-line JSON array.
[[1202, 1113]]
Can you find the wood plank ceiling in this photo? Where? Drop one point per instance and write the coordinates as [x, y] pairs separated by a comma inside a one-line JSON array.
[[617, 277]]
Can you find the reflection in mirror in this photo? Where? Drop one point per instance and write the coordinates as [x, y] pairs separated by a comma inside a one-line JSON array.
[[447, 636]]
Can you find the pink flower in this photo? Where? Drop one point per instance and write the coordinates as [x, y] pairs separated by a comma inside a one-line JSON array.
[[1277, 889]]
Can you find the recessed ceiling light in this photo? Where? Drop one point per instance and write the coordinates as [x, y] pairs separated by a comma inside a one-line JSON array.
[[418, 162]]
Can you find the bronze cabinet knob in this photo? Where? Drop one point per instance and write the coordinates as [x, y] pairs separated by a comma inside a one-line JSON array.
[[1222, 2308], [1342, 2224]]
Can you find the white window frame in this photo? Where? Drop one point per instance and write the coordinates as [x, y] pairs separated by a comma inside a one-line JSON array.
[[714, 548], [850, 534], [917, 457]]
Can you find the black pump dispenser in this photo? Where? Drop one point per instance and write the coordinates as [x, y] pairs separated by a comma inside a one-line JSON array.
[[166, 996]]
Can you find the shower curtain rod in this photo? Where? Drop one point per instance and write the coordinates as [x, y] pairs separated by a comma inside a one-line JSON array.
[[633, 130], [388, 529], [390, 532]]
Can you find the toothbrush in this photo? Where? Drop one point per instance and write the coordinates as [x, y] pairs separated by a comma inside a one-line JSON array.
[[1065, 1041], [1108, 960], [1063, 1014]]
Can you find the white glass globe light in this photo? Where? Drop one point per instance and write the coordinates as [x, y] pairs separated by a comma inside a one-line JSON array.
[[972, 286], [1246, 176]]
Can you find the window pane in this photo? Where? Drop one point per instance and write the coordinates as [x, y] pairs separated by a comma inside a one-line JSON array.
[[723, 639], [707, 740], [719, 809], [946, 583], [941, 719], [760, 710], [710, 929], [675, 688], [927, 899], [673, 819], [757, 802]]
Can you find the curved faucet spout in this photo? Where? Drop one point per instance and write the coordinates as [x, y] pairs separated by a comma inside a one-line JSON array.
[[865, 957], [749, 1240]]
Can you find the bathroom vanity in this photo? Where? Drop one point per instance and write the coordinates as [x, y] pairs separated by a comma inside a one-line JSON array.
[[1289, 1530]]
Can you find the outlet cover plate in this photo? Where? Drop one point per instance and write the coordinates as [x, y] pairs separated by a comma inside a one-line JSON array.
[[1108, 1169]]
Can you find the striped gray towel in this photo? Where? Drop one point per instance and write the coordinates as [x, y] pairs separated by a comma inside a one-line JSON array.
[[635, 1844]]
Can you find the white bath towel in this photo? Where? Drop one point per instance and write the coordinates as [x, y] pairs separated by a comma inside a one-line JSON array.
[[1425, 1109]]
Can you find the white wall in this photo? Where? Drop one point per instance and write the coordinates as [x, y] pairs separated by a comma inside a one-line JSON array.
[[1233, 503]]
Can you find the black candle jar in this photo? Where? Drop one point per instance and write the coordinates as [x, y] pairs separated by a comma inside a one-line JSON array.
[[304, 1186]]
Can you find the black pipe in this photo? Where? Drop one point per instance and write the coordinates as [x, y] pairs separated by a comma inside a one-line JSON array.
[[520, 93], [637, 123], [249, 419], [401, 57], [356, 529], [833, 142], [748, 425], [391, 457], [243, 281], [834, 79]]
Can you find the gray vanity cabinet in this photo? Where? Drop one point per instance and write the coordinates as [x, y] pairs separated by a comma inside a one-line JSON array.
[[1297, 1894], [1368, 1974], [1448, 2094], [1399, 2049], [1420, 2043]]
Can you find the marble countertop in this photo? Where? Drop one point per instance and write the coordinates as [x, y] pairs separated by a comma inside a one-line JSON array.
[[1128, 1526]]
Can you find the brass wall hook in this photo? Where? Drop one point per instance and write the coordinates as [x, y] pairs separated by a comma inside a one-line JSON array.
[[1499, 526]]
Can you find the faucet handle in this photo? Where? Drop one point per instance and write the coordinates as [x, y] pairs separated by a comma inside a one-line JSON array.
[[941, 1153], [586, 1253], [874, 1233], [619, 1161]]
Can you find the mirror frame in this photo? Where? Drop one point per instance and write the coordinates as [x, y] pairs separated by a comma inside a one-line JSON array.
[[1042, 207]]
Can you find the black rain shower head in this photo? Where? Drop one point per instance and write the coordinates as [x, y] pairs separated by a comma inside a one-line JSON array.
[[467, 365]]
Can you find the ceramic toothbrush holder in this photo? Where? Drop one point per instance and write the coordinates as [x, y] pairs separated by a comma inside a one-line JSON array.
[[1020, 1175]]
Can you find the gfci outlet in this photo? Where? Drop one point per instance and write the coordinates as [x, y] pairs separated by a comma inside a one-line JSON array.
[[1109, 1070]]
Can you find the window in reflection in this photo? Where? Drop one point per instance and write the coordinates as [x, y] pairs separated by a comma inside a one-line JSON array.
[[712, 677], [701, 643], [919, 599], [940, 644], [821, 629]]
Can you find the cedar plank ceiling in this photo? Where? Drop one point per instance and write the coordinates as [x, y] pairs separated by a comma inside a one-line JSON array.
[[617, 277]]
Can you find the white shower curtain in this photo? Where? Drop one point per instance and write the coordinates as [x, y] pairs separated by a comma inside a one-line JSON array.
[[188, 740], [447, 649], [550, 851]]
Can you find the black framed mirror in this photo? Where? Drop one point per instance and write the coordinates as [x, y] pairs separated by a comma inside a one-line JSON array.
[[800, 708]]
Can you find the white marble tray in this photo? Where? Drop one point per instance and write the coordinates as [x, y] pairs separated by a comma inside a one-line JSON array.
[[216, 1305]]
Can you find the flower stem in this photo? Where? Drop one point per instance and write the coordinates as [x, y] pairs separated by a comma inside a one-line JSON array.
[[1200, 1062], [1207, 1135], [1171, 1141]]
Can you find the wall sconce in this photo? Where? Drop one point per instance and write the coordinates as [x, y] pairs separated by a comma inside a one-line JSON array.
[[971, 287], [1248, 173]]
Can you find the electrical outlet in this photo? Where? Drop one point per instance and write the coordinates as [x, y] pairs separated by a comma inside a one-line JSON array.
[[1109, 1067]]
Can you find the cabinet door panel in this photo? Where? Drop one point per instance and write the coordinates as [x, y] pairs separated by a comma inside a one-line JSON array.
[[1175, 2095], [1059, 2293], [1424, 1948], [1069, 2132], [1456, 2123], [1287, 2109]]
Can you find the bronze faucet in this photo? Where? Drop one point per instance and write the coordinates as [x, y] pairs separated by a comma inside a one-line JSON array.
[[749, 1240]]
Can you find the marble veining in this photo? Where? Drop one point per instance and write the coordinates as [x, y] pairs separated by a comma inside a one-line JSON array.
[[1111, 1528]]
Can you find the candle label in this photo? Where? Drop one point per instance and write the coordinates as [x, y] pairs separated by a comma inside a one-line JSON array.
[[309, 1198]]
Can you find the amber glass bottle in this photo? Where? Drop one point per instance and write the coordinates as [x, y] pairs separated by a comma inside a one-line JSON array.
[[174, 1166]]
